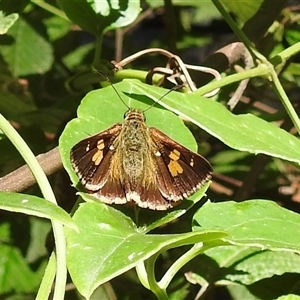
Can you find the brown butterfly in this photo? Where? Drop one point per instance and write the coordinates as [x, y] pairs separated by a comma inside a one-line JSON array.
[[131, 162]]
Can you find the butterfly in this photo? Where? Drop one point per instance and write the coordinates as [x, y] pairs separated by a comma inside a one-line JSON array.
[[131, 162]]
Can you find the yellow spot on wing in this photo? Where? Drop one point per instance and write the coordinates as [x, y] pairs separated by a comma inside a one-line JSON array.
[[97, 157], [100, 144], [174, 155], [175, 168]]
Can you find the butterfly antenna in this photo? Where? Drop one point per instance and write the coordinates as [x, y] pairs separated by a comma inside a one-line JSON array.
[[109, 81], [174, 88]]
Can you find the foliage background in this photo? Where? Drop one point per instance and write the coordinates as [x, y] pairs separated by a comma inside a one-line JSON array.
[[46, 52]]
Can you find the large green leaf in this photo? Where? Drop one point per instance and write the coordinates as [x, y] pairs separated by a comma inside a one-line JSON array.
[[110, 244], [242, 11], [264, 264], [289, 297], [257, 223], [244, 132], [252, 226], [35, 206], [242, 264], [29, 52], [101, 109]]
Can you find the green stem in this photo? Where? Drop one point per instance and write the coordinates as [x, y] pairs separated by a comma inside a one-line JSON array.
[[50, 8], [285, 100], [48, 278], [260, 70], [135, 74], [179, 263], [154, 286], [286, 54], [48, 194], [98, 49], [279, 58], [238, 32], [142, 274]]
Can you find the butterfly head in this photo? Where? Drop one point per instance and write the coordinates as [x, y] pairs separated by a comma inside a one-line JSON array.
[[134, 114]]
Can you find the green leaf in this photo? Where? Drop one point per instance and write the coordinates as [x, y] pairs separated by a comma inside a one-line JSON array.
[[245, 265], [57, 27], [74, 58], [269, 288], [242, 11], [242, 132], [7, 21], [15, 273], [101, 109], [35, 206], [292, 36], [98, 16], [39, 231], [239, 291], [110, 244], [264, 264], [29, 53], [257, 223], [13, 106], [289, 297]]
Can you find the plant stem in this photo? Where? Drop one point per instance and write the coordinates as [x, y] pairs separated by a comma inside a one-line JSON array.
[[98, 49], [41, 178], [50, 8], [286, 54], [180, 262], [285, 101], [260, 70], [48, 278], [154, 286], [142, 274], [237, 31]]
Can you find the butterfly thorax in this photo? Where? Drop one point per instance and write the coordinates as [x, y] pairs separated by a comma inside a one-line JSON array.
[[133, 145]]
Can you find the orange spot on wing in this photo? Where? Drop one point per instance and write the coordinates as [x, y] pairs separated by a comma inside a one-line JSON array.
[[174, 155], [97, 157], [175, 168]]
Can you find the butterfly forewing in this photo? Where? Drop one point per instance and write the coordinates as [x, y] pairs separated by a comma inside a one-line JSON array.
[[181, 172], [92, 156]]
